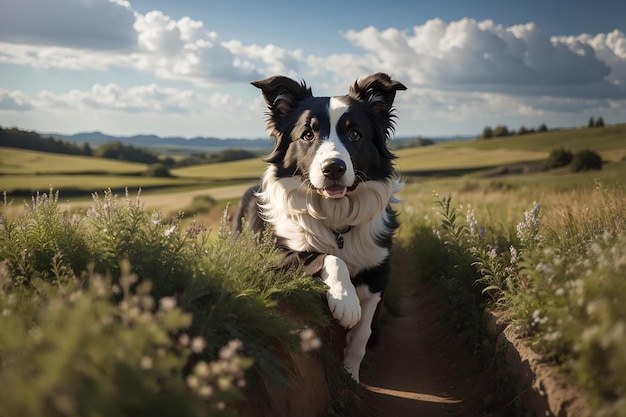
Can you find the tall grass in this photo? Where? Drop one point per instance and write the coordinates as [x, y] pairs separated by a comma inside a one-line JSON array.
[[557, 272], [121, 311]]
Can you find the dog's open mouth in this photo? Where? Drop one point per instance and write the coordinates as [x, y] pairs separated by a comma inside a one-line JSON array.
[[333, 191]]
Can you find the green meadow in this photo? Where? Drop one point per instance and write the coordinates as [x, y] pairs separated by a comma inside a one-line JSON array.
[[483, 220], [30, 171]]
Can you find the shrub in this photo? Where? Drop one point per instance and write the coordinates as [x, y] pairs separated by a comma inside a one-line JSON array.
[[68, 351], [157, 170], [558, 276], [558, 158], [586, 160], [86, 348]]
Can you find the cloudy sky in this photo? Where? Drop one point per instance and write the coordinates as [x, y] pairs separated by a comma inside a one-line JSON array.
[[183, 68]]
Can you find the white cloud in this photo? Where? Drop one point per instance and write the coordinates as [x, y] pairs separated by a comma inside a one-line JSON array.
[[85, 24], [610, 48], [146, 98], [101, 34], [467, 55], [185, 50], [14, 100], [457, 72], [145, 108], [61, 57], [277, 60]]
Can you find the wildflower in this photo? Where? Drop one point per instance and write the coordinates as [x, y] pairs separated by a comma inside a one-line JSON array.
[[224, 383], [309, 340], [193, 382], [197, 344], [183, 340], [513, 253], [167, 303], [145, 362], [229, 351], [205, 391], [472, 223], [537, 319], [545, 268], [528, 230], [551, 337], [195, 229], [202, 369], [169, 231]]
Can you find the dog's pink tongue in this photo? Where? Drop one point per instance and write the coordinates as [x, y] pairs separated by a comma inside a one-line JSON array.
[[334, 191]]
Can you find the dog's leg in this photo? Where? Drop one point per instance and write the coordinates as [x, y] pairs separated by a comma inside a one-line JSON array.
[[341, 295], [356, 339]]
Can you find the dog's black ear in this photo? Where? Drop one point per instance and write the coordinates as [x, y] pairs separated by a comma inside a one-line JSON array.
[[282, 93], [377, 89]]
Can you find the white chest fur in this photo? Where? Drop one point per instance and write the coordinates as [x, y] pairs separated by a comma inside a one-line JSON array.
[[308, 222]]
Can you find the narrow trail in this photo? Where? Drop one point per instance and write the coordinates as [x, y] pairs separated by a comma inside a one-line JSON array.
[[420, 367]]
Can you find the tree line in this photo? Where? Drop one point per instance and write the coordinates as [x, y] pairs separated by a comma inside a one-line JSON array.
[[16, 138], [502, 130], [23, 139]]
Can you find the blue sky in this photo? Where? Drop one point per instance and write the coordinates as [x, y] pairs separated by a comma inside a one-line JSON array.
[[183, 68]]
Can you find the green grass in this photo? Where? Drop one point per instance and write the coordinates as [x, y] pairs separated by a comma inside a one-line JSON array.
[[50, 253], [18, 161], [445, 159], [561, 284], [601, 140], [245, 169], [145, 304], [88, 183]]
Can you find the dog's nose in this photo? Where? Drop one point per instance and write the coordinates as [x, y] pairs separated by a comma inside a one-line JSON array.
[[334, 168]]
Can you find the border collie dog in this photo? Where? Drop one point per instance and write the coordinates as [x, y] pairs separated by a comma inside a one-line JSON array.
[[326, 194]]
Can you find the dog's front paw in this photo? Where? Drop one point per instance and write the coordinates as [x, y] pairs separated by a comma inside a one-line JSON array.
[[344, 305], [343, 300]]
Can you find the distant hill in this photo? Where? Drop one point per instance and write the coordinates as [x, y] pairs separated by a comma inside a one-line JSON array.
[[208, 144], [198, 144]]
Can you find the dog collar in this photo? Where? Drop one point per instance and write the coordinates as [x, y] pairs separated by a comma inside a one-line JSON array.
[[339, 235]]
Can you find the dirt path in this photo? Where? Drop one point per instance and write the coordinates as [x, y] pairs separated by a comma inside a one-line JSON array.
[[421, 368]]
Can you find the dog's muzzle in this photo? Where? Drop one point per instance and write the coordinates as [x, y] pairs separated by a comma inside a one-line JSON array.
[[333, 169]]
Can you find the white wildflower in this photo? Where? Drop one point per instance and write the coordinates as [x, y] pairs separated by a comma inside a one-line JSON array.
[[309, 340], [146, 363], [197, 344], [205, 391], [513, 253], [229, 351], [528, 230], [167, 303], [193, 381], [202, 369]]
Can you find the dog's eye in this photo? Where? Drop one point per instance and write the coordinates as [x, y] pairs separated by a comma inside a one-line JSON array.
[[354, 135], [308, 136]]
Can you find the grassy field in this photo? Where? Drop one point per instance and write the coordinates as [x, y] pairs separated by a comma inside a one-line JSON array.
[[602, 140], [547, 249], [36, 171], [465, 166], [18, 161]]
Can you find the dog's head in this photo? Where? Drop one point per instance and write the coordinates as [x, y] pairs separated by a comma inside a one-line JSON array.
[[332, 143]]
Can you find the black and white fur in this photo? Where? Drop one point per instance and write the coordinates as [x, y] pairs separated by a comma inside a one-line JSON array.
[[326, 194]]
